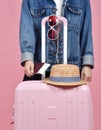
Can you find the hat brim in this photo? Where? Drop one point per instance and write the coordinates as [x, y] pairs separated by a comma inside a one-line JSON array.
[[81, 82]]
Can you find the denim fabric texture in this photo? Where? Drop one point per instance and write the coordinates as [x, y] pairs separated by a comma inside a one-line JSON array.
[[80, 44]]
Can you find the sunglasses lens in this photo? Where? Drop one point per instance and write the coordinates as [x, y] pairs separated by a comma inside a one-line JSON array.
[[52, 20], [52, 34]]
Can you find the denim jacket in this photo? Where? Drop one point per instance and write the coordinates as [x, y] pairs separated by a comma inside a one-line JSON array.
[[80, 45]]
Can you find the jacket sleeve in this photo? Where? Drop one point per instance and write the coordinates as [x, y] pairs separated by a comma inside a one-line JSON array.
[[27, 36], [86, 37]]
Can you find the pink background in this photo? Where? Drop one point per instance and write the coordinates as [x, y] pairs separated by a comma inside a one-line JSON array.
[[11, 72]]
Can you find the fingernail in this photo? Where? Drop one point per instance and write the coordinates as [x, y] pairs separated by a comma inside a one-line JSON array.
[[32, 71]]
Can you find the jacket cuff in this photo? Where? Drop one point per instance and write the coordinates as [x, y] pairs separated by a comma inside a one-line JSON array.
[[88, 60], [26, 56]]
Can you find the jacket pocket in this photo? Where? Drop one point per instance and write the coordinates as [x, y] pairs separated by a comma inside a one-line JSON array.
[[73, 15], [36, 13], [75, 10]]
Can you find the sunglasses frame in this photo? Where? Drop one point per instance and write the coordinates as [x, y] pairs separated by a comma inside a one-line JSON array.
[[52, 27], [53, 39], [65, 37]]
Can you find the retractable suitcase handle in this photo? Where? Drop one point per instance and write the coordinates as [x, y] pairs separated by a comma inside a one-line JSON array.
[[64, 20]]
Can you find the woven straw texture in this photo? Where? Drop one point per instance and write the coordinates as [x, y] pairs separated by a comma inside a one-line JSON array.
[[64, 71]]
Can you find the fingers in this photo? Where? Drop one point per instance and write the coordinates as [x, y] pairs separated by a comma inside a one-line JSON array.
[[86, 77], [86, 74], [82, 76], [29, 68]]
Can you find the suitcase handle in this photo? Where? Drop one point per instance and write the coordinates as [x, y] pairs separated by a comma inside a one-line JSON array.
[[64, 20]]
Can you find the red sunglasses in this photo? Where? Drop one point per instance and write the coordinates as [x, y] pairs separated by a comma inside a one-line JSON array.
[[52, 22]]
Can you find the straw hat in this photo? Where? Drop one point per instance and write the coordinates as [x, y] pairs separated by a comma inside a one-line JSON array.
[[64, 75]]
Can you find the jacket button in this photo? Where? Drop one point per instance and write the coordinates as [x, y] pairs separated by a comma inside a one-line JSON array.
[[54, 52], [54, 10]]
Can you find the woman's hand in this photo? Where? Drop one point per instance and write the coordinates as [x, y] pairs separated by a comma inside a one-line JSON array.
[[29, 68], [86, 73]]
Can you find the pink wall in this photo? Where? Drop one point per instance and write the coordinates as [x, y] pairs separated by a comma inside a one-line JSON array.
[[95, 85], [11, 72]]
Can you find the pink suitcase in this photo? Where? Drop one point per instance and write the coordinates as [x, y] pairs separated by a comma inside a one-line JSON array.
[[39, 106]]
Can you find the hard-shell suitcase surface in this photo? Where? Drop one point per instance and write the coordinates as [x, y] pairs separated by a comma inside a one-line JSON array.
[[39, 106]]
